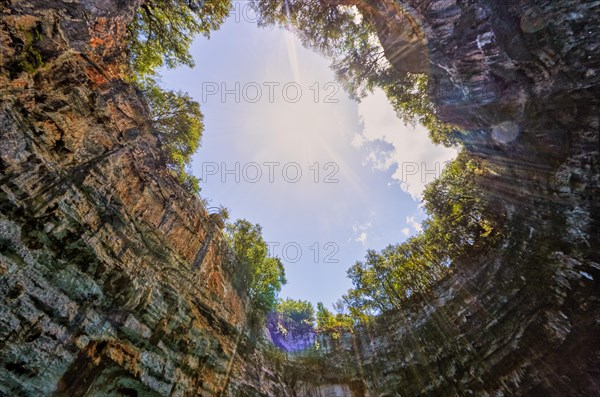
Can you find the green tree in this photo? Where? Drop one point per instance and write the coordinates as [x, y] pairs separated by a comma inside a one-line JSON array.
[[257, 273], [346, 32], [178, 124], [162, 32], [409, 96], [320, 25], [160, 36], [334, 29], [387, 280], [368, 296], [463, 218], [463, 223], [296, 316], [332, 323]]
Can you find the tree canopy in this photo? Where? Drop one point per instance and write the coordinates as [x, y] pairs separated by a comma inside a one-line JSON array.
[[295, 316], [178, 124], [345, 32], [462, 217], [162, 32], [298, 317], [333, 323], [463, 223], [257, 273], [160, 36]]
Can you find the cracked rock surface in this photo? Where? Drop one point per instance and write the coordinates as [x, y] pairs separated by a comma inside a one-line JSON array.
[[99, 294]]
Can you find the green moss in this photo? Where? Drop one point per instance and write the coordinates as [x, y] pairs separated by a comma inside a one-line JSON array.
[[274, 355], [28, 58]]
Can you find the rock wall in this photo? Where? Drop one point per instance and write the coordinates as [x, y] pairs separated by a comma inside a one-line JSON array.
[[98, 292], [522, 78]]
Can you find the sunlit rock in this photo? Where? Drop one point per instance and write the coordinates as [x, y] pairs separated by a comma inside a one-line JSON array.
[[98, 291], [505, 132], [532, 19]]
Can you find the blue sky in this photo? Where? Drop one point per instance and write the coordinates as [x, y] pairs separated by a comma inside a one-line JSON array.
[[326, 177]]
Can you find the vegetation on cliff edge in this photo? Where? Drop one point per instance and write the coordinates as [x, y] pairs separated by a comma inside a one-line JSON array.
[[160, 36], [178, 125], [461, 224], [257, 273], [163, 30], [343, 32], [298, 317]]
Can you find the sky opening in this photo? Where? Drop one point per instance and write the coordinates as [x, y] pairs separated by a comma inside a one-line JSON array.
[[284, 146]]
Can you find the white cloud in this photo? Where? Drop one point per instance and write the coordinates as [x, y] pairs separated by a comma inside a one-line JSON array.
[[412, 222], [405, 231], [362, 238], [361, 231], [405, 149], [358, 141]]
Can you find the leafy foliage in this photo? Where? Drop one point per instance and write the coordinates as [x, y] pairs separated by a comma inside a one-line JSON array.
[[463, 218], [339, 30], [295, 316], [321, 25], [409, 96], [160, 36], [462, 225], [257, 273], [333, 323], [298, 317], [163, 30], [177, 122]]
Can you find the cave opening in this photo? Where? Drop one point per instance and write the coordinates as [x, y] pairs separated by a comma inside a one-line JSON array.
[[312, 145], [326, 176], [381, 59], [496, 295]]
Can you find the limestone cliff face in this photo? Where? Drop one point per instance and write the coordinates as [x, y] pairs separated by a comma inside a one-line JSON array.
[[98, 295], [98, 292], [522, 78]]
